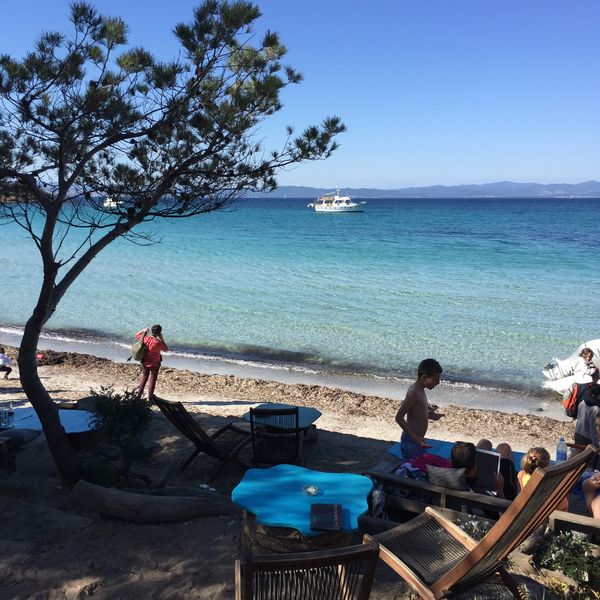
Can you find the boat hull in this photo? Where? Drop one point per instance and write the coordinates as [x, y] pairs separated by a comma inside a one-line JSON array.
[[560, 386], [339, 209], [560, 369], [335, 203]]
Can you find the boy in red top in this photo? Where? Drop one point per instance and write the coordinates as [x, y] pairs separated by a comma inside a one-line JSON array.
[[151, 363]]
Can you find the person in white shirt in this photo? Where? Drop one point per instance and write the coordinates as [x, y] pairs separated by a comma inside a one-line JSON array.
[[5, 364], [584, 369]]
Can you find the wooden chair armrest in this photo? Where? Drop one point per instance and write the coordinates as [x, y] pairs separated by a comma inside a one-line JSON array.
[[229, 427], [456, 532], [400, 567]]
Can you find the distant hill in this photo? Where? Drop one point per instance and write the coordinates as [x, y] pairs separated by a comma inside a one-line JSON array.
[[501, 189]]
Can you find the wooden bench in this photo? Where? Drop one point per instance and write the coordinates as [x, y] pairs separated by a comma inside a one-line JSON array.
[[425, 494]]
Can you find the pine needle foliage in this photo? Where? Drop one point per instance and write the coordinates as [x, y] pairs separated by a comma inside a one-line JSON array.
[[85, 117]]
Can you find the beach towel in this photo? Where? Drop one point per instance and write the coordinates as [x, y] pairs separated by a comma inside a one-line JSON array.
[[421, 462]]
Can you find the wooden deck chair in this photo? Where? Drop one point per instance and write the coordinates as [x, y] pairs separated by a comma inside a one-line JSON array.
[[341, 573], [204, 442], [438, 559], [276, 436]]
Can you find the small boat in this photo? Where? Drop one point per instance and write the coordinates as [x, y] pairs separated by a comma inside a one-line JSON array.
[[334, 203], [560, 374], [109, 203]]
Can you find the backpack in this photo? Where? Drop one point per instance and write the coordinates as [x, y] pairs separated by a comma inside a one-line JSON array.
[[138, 350], [571, 402]]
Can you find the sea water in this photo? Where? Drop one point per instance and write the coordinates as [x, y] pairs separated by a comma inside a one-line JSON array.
[[492, 288]]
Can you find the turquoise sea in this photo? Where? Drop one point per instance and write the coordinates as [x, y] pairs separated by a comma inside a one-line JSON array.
[[492, 288]]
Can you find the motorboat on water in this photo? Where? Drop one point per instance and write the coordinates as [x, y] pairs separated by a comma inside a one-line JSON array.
[[560, 374], [109, 203], [333, 202]]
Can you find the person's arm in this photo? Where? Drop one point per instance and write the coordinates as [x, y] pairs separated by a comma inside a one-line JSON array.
[[142, 333], [590, 488], [500, 485], [432, 413], [163, 346], [404, 409]]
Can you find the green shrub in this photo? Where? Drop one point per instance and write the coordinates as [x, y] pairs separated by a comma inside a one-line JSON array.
[[568, 553], [474, 527], [122, 419]]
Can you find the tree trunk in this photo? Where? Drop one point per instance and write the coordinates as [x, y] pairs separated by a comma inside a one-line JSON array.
[[147, 508], [50, 295], [43, 405]]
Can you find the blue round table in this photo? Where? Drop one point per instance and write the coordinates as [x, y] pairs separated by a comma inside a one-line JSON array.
[[277, 499], [73, 420]]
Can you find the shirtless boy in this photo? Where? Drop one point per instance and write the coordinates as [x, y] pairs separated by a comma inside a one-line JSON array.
[[414, 412]]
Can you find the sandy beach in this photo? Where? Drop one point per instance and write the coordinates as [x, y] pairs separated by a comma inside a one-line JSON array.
[[52, 549]]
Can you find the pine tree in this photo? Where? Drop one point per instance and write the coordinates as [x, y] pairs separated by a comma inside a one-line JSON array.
[[87, 118]]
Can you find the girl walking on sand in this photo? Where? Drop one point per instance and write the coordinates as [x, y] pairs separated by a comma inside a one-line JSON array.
[[155, 344]]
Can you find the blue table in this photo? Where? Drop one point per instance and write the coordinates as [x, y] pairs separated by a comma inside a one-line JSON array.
[[306, 415], [276, 496], [443, 449], [74, 421]]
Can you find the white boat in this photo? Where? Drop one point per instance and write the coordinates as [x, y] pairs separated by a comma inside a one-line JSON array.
[[560, 374], [110, 203], [334, 203]]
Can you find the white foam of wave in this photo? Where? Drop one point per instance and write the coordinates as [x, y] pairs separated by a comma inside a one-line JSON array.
[[7, 329], [235, 363], [100, 342], [244, 362]]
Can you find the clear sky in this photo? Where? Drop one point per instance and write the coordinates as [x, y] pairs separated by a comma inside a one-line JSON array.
[[432, 91]]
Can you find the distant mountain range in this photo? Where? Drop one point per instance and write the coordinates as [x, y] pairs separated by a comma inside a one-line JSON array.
[[501, 189]]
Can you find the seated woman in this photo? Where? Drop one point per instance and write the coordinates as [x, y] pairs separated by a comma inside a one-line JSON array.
[[464, 455], [584, 369], [537, 457]]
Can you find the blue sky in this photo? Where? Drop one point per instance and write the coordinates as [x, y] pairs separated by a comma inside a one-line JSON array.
[[432, 91]]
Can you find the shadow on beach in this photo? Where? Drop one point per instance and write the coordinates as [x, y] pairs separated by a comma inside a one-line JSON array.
[[75, 552]]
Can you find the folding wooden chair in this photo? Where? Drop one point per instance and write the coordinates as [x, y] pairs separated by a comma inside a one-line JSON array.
[[338, 574], [276, 436], [438, 560], [204, 442]]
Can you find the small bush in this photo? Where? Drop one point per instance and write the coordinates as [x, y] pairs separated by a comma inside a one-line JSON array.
[[568, 553], [475, 528], [122, 419]]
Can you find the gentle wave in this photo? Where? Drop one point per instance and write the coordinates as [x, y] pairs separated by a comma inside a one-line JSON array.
[[96, 344]]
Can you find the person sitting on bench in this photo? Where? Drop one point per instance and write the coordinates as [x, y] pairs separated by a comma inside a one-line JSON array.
[[464, 456]]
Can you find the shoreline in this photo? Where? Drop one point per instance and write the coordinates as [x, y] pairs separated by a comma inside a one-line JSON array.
[[463, 394], [70, 376]]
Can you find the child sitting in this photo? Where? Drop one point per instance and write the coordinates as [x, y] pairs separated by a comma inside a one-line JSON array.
[[537, 457]]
